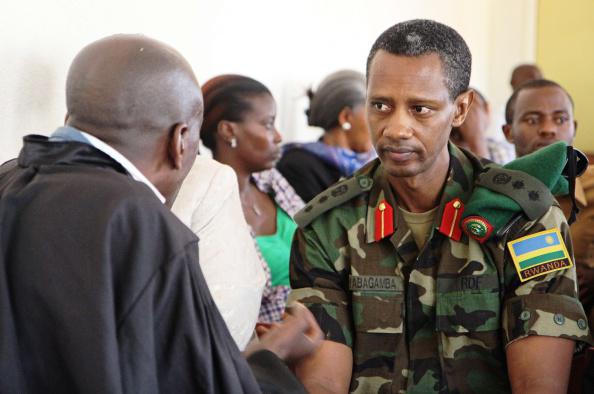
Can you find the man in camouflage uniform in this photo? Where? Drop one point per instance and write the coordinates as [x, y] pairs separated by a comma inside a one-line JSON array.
[[407, 307]]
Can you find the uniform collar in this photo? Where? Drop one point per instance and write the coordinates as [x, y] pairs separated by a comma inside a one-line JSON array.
[[459, 184]]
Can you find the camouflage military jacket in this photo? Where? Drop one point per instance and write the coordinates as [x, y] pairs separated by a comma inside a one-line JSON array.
[[430, 320]]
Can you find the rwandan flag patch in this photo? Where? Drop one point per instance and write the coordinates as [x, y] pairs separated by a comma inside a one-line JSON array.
[[538, 254]]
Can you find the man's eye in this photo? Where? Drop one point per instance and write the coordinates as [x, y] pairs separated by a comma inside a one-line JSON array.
[[381, 107], [421, 109], [531, 120], [561, 120]]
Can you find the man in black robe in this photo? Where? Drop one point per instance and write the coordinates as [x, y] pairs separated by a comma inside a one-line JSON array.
[[100, 287]]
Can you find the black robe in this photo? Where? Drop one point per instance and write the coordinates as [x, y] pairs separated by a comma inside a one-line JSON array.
[[100, 290]]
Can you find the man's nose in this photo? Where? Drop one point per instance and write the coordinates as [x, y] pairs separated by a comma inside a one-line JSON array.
[[548, 128], [399, 126]]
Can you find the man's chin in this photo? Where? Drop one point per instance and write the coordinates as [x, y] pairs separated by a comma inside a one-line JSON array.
[[401, 170]]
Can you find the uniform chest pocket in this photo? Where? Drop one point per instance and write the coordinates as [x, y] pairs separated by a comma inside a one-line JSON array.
[[468, 311], [377, 303]]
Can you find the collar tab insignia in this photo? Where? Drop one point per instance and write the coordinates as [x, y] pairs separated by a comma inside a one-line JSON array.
[[450, 220], [384, 220]]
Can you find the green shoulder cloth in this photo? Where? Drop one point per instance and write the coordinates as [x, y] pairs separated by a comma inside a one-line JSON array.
[[526, 185], [333, 197]]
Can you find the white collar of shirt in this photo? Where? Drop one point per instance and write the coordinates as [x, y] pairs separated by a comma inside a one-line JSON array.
[[121, 159]]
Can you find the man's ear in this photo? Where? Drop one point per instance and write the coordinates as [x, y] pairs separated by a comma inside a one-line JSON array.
[[507, 132], [178, 144], [462, 103], [574, 128]]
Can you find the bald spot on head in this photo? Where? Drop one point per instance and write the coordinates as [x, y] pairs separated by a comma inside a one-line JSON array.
[[130, 86]]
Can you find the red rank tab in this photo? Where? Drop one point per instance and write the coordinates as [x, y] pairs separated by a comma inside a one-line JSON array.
[[384, 220], [450, 221]]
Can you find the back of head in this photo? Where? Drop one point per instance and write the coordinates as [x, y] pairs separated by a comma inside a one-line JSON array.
[[479, 98], [226, 97], [476, 123], [420, 37], [531, 84], [126, 86], [524, 73], [338, 90]]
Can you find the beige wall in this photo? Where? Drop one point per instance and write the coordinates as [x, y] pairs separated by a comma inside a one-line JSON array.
[[288, 45], [565, 52]]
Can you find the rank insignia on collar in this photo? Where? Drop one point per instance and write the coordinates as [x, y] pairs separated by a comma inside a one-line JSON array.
[[384, 220], [450, 220], [477, 227], [538, 254]]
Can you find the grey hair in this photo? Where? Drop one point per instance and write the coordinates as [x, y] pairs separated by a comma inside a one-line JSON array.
[[420, 37], [345, 88]]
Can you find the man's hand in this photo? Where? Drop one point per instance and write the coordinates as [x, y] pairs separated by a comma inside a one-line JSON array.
[[297, 336]]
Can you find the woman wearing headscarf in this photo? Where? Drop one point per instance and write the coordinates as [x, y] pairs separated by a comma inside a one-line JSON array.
[[239, 129], [338, 107]]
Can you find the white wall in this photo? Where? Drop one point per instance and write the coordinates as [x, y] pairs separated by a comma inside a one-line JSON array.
[[288, 45]]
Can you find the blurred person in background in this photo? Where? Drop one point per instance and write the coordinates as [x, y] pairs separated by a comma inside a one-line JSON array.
[[524, 73], [239, 129], [337, 106], [472, 134]]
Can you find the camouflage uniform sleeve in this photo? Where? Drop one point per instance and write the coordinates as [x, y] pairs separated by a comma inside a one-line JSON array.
[[548, 304], [319, 282]]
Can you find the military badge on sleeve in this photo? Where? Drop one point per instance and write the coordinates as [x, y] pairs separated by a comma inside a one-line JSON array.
[[538, 254]]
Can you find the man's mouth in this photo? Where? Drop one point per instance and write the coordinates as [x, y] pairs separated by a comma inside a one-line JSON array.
[[399, 154], [542, 144]]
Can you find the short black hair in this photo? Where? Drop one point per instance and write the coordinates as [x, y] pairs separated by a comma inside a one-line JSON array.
[[226, 97], [420, 37], [532, 84]]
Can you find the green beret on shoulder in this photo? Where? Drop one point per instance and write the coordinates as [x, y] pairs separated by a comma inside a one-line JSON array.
[[526, 185]]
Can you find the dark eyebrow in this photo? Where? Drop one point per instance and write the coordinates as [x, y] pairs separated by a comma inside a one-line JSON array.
[[533, 112], [411, 101], [379, 98], [421, 101]]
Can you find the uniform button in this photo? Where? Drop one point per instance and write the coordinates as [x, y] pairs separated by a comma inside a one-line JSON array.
[[525, 315], [582, 324], [364, 182], [559, 319]]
